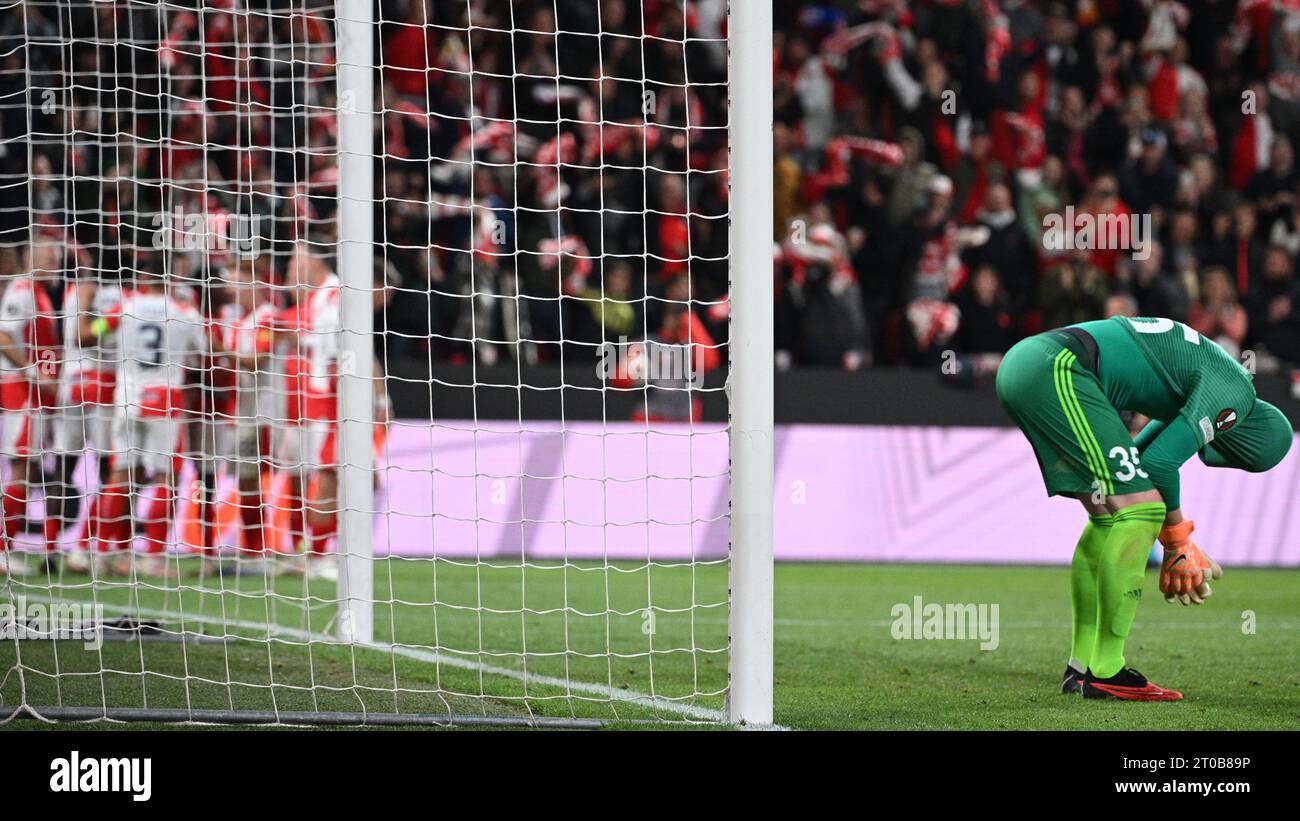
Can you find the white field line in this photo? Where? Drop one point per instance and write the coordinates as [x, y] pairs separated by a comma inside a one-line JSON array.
[[418, 654]]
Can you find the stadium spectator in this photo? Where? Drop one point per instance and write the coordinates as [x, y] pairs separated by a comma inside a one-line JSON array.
[[1285, 230], [1102, 201], [787, 179], [986, 314], [1274, 308], [1159, 292], [823, 300], [1272, 189], [1241, 250], [1149, 181], [1073, 290], [1007, 250], [607, 314], [1121, 304], [934, 273], [1217, 314]]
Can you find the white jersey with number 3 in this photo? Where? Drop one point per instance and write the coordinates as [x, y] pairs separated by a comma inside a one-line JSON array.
[[158, 339]]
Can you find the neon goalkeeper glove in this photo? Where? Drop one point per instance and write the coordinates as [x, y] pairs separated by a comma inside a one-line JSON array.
[[1186, 571]]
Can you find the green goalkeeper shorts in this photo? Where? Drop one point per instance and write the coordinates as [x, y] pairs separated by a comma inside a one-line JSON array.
[[1082, 444]]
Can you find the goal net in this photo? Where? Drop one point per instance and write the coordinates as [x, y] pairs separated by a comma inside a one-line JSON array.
[[385, 365]]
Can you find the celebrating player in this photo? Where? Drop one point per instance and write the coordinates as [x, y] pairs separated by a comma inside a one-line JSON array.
[[28, 365], [289, 366], [83, 423], [212, 404], [159, 338], [308, 450], [250, 338], [1065, 389], [317, 337]]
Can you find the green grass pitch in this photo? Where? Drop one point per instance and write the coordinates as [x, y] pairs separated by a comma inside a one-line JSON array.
[[578, 640]]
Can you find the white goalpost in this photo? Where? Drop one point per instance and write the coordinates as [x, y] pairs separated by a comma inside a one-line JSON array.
[[750, 107], [386, 362], [355, 26]]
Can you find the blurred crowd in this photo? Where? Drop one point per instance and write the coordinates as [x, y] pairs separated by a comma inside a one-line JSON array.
[[557, 179], [550, 174], [158, 136], [923, 148]]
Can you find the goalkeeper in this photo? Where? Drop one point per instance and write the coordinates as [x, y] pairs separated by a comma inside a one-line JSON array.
[[1065, 390]]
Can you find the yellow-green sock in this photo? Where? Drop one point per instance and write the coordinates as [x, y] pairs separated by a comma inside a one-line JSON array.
[[1119, 581], [1083, 589]]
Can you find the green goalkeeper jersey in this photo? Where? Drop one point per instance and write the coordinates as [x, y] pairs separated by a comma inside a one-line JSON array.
[[1190, 386]]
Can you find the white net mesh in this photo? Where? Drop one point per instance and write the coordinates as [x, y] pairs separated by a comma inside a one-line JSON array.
[[548, 536]]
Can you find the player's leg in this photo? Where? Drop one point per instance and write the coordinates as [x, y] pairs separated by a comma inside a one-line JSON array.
[[101, 429], [322, 511], [289, 464], [159, 512], [1084, 568], [1083, 593], [249, 453], [322, 501], [154, 495], [322, 524], [202, 446], [115, 526], [20, 446], [1119, 578], [14, 444], [292, 458], [157, 497], [62, 503], [14, 507], [250, 444], [158, 506]]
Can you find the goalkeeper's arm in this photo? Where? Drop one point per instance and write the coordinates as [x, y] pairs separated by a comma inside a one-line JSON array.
[[1164, 448], [1186, 571]]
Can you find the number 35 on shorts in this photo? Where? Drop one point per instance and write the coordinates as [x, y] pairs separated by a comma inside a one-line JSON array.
[[1129, 463]]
